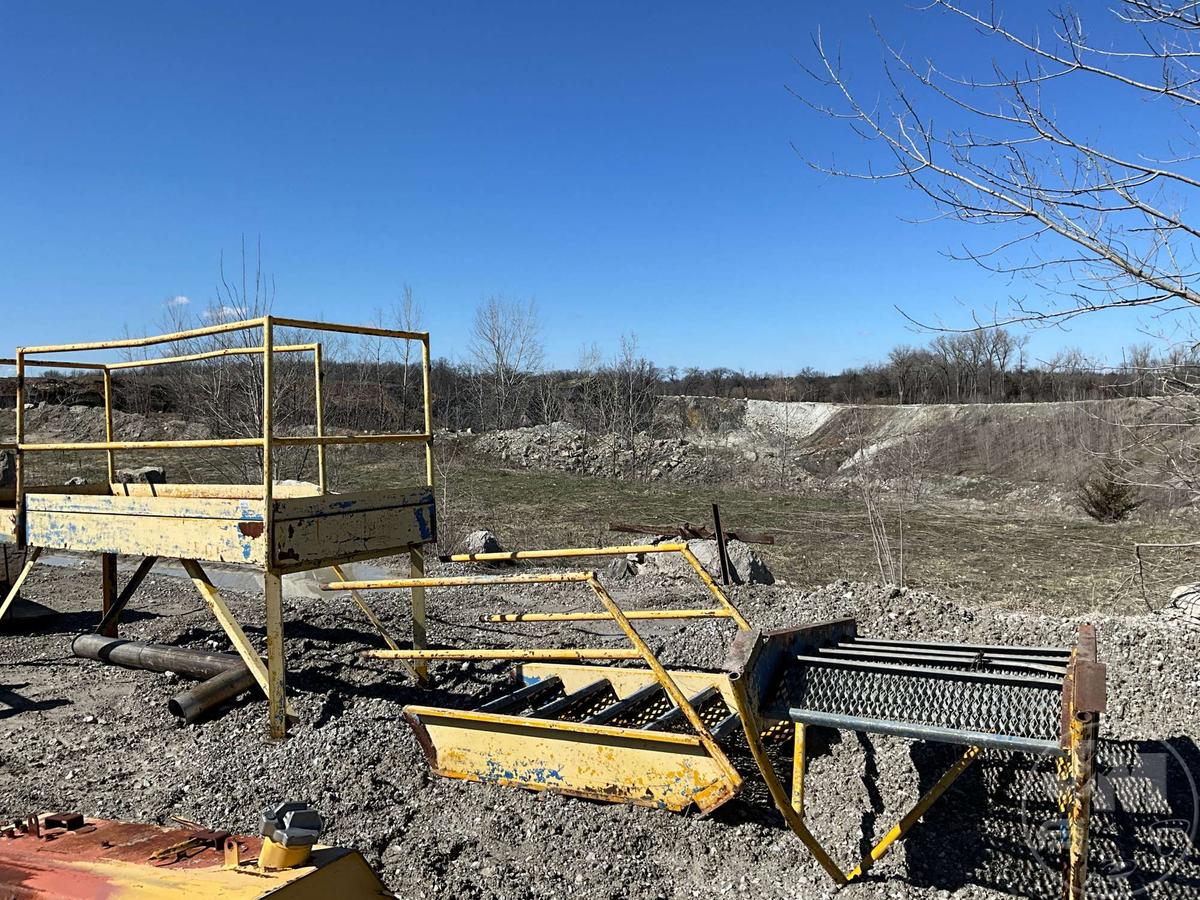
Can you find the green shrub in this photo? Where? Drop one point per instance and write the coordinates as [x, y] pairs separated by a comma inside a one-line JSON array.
[[1106, 496]]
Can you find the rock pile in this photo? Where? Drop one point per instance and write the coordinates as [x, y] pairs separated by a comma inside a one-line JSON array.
[[748, 567], [1185, 606], [562, 446]]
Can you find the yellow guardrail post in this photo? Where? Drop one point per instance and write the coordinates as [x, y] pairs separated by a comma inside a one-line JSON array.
[[318, 379], [18, 456]]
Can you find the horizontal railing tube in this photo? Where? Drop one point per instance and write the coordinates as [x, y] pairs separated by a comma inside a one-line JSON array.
[[153, 657], [198, 702], [918, 732]]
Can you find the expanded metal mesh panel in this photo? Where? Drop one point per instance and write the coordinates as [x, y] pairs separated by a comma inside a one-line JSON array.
[[964, 705]]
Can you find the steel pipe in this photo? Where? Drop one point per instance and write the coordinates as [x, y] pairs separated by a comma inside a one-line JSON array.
[[601, 616], [150, 341], [566, 553], [153, 657], [580, 653], [196, 703]]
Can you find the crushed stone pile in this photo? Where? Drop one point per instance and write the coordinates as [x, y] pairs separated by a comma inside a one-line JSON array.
[[564, 447]]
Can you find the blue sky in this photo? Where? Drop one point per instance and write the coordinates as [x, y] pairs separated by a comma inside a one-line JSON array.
[[628, 165]]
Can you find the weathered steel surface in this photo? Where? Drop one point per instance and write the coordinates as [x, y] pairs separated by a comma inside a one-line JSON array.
[[113, 860], [623, 765], [210, 528], [338, 527], [196, 703], [213, 523]]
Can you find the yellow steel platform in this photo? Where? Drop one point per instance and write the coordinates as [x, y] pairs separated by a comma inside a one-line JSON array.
[[277, 528]]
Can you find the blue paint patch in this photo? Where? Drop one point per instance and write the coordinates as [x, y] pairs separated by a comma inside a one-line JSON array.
[[422, 524], [540, 775]]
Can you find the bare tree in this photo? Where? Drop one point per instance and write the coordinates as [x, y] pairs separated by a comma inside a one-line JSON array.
[[1092, 225], [407, 315], [1091, 222], [506, 350], [224, 395], [628, 402]]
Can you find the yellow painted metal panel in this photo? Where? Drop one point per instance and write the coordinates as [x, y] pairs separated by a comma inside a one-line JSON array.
[[315, 504], [173, 507], [8, 526], [222, 540], [615, 764]]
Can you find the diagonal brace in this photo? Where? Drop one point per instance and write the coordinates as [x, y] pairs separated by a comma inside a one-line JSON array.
[[135, 581], [370, 614], [34, 553], [238, 637], [910, 818]]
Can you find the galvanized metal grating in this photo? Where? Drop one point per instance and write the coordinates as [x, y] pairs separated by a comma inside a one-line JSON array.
[[1031, 712], [597, 703], [915, 690]]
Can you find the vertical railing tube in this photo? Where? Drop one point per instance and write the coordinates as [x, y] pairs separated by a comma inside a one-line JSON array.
[[317, 374], [109, 454], [272, 588], [18, 455], [268, 377], [425, 374]]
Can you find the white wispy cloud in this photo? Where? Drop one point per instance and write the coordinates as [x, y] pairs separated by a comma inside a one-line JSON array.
[[224, 313], [179, 300]]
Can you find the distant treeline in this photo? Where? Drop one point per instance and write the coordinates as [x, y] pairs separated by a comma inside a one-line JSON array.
[[974, 367], [615, 395]]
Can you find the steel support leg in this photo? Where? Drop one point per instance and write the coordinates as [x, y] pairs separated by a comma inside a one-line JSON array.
[[236, 636], [108, 590], [1082, 749], [913, 816], [108, 624], [775, 787], [416, 558], [798, 764], [375, 620], [276, 658]]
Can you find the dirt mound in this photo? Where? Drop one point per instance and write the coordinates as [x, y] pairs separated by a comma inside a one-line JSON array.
[[562, 446], [53, 422]]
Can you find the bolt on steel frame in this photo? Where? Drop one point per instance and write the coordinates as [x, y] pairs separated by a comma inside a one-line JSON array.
[[277, 528]]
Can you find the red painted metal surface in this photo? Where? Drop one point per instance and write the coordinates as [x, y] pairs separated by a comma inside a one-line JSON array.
[[34, 861]]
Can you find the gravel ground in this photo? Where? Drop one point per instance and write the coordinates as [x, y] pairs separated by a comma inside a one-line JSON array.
[[78, 735]]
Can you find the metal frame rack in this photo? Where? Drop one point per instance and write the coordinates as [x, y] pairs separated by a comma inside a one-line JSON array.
[[275, 528], [657, 737]]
